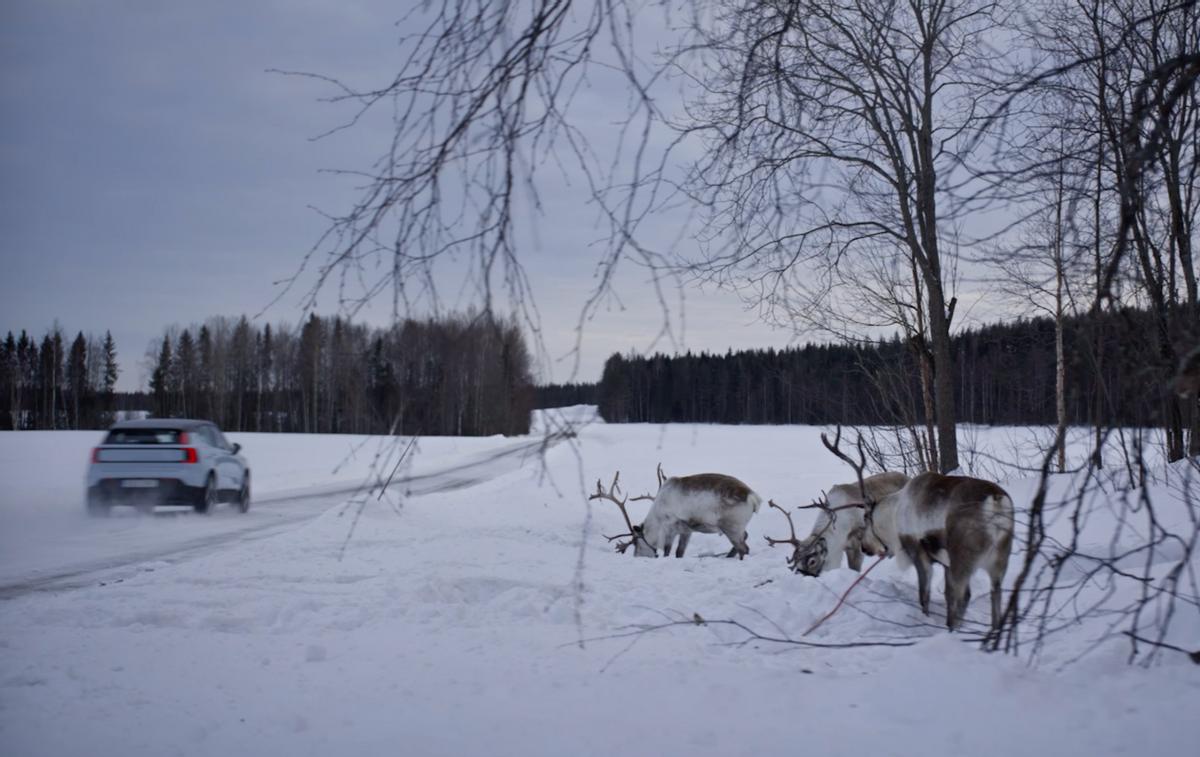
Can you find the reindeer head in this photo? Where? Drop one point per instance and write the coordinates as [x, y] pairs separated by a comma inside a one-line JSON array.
[[809, 557], [641, 547]]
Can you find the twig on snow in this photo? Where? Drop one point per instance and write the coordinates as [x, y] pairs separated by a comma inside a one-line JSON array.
[[751, 635], [845, 594]]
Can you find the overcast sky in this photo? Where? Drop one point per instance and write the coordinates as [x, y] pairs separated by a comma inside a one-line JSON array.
[[154, 172]]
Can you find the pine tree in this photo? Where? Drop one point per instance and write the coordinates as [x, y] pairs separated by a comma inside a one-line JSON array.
[[111, 372], [77, 380], [27, 366], [240, 369], [9, 383], [266, 389], [56, 376], [204, 376], [160, 380], [185, 361]]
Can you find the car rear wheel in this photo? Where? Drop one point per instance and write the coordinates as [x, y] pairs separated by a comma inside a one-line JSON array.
[[96, 506], [243, 500], [208, 501]]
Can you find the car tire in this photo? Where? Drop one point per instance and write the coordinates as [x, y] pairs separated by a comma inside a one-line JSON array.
[[96, 506], [243, 500], [209, 497]]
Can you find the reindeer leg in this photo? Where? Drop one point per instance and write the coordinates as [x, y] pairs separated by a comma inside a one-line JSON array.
[[735, 532], [958, 591], [920, 560], [666, 547], [854, 552], [740, 547], [996, 597], [683, 542]]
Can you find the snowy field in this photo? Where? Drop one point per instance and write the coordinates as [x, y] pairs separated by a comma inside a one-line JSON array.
[[446, 618]]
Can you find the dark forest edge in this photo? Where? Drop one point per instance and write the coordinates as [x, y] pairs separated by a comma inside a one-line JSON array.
[[1006, 376], [466, 375], [460, 375]]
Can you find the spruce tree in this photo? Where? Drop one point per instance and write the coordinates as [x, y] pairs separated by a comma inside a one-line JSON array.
[[77, 380], [160, 379], [111, 372]]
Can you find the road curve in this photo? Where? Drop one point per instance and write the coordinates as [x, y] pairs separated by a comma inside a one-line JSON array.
[[99, 573]]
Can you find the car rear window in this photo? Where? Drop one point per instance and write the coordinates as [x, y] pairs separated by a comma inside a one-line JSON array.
[[143, 436]]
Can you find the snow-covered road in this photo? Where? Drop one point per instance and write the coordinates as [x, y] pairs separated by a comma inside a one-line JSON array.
[[48, 547], [449, 623]]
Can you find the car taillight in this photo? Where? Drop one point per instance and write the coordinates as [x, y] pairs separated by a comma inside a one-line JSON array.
[[183, 437], [95, 454], [189, 455]]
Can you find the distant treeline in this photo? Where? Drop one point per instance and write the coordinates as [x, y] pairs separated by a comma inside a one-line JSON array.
[[471, 376], [53, 385], [565, 395], [1006, 376], [460, 375]]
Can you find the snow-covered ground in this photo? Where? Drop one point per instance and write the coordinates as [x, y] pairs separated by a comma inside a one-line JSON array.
[[449, 621]]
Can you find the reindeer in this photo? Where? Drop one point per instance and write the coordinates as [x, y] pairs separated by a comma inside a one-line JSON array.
[[839, 525], [961, 523], [706, 502]]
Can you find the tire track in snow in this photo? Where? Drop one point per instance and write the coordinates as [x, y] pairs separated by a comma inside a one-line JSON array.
[[463, 475]]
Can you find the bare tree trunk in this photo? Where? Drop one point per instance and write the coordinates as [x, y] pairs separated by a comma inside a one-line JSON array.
[[1060, 378], [1060, 362], [1097, 334], [923, 360], [930, 414], [943, 380]]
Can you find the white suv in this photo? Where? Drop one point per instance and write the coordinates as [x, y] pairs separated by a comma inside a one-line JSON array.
[[166, 461]]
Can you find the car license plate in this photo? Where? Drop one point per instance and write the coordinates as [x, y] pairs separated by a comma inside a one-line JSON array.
[[139, 483]]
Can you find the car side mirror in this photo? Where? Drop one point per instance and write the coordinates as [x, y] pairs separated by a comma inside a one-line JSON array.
[[236, 447]]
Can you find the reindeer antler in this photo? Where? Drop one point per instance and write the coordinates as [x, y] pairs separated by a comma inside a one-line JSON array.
[[798, 545], [822, 504], [613, 490], [795, 542], [661, 477], [791, 527], [859, 466]]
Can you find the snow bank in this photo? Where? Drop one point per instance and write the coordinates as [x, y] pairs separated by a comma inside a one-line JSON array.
[[450, 623]]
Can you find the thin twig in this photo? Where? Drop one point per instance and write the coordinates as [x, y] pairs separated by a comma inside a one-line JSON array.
[[1194, 656], [845, 594], [751, 633], [403, 455]]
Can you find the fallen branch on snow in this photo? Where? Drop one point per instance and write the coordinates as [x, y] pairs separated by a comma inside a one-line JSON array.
[[751, 635], [1193, 656], [845, 594]]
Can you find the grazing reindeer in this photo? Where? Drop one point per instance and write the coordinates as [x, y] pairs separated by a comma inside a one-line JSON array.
[[839, 526], [962, 523], [706, 502]]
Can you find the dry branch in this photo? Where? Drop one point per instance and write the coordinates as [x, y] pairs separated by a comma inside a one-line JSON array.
[[842, 600]]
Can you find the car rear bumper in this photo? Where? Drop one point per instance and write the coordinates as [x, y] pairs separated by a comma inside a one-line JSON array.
[[165, 491], [187, 474]]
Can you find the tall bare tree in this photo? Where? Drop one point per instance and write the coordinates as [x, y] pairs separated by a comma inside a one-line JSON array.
[[839, 132]]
